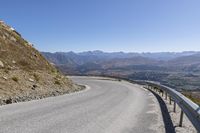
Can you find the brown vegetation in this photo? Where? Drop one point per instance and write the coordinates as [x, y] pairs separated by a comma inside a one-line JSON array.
[[194, 96], [24, 73]]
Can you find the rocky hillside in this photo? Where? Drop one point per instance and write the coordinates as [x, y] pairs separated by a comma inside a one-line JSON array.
[[24, 73]]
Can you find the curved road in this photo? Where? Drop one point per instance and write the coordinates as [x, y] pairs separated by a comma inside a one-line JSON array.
[[106, 106]]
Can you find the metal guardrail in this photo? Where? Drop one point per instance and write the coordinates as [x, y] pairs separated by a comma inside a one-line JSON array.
[[189, 108]]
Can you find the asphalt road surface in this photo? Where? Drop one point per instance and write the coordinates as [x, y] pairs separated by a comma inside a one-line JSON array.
[[106, 106]]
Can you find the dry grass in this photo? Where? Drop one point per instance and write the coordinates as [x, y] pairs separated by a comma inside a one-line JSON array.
[[21, 63], [194, 96], [18, 50]]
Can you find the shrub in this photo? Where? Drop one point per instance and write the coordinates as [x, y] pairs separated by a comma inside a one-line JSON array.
[[57, 82], [15, 79], [23, 63], [37, 78]]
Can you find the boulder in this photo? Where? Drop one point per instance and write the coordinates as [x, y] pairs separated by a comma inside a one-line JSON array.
[[14, 62], [31, 80], [5, 78]]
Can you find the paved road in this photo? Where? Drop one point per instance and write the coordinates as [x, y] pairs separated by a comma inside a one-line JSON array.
[[107, 106]]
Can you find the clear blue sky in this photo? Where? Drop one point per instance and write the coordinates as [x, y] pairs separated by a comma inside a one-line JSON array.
[[108, 25]]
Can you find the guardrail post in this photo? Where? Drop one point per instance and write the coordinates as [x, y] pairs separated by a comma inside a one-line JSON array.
[[178, 100], [170, 100], [181, 119], [174, 107]]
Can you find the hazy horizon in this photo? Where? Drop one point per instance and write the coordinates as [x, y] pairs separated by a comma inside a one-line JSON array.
[[117, 51]]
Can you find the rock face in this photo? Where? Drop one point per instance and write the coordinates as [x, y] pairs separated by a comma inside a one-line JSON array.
[[24, 73]]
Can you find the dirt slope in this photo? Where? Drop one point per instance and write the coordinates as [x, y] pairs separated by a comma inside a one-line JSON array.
[[24, 73]]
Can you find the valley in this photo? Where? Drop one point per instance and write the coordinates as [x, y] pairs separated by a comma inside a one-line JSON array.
[[180, 71]]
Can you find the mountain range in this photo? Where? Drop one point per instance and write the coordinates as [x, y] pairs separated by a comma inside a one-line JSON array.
[[180, 70]]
